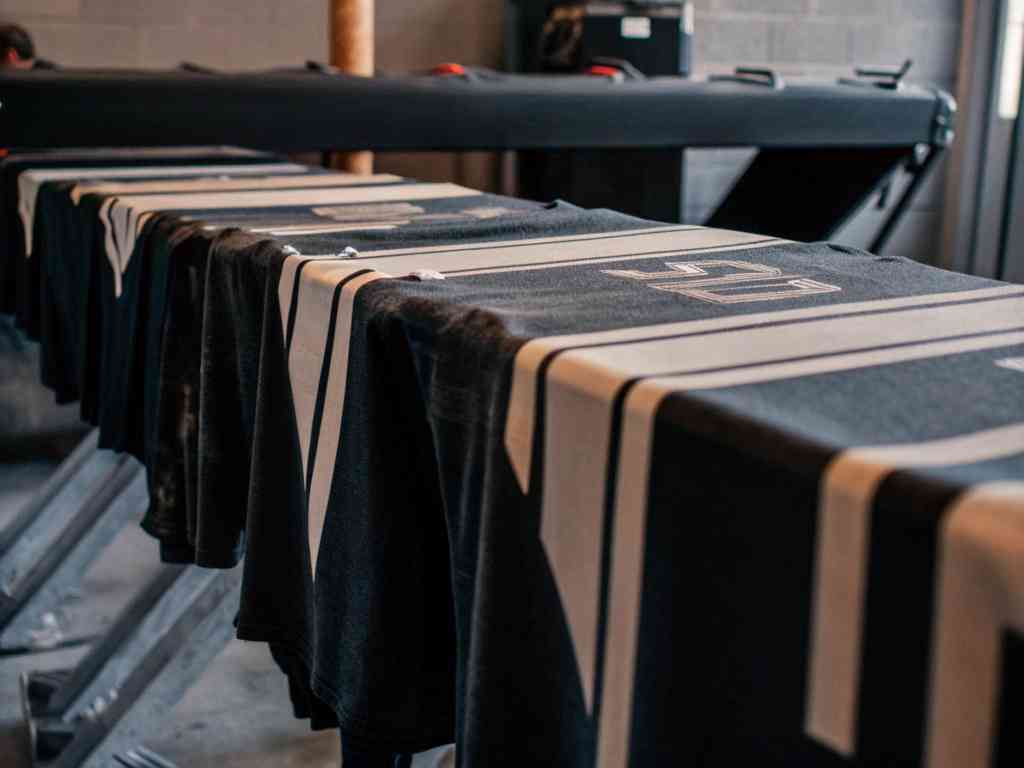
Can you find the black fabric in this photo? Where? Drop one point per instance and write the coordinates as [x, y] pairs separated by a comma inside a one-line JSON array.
[[53, 233], [1010, 739], [411, 571], [456, 338], [739, 667], [435, 612], [239, 298], [211, 418], [904, 542], [173, 513], [749, 698], [709, 697], [11, 258]]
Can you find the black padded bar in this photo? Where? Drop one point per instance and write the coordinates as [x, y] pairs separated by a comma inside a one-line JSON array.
[[303, 110]]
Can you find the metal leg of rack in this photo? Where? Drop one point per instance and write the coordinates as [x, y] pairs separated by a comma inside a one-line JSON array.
[[98, 713], [54, 539]]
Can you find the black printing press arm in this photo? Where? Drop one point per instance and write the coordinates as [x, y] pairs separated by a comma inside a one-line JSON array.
[[293, 110]]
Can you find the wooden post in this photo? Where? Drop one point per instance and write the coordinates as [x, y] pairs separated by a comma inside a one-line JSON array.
[[352, 38]]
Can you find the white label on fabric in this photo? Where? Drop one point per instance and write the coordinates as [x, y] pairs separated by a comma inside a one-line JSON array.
[[636, 27]]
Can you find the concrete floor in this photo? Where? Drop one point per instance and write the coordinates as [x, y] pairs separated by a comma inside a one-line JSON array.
[[237, 716]]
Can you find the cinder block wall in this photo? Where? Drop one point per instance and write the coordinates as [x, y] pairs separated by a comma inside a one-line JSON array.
[[160, 33], [826, 38]]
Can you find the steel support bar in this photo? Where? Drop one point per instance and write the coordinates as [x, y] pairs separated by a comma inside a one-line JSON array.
[[70, 694], [824, 188], [97, 714], [920, 175], [53, 518], [44, 496], [30, 615]]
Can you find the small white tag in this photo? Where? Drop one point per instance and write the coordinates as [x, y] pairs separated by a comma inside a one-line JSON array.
[[636, 27], [426, 274], [1012, 364]]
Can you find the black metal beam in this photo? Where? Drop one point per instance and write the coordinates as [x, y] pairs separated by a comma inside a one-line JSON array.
[[306, 110]]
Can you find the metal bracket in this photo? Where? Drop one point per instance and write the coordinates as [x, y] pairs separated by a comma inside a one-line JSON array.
[[889, 78], [32, 617], [321, 67], [198, 69], [945, 119], [96, 714], [752, 76], [628, 70], [45, 495]]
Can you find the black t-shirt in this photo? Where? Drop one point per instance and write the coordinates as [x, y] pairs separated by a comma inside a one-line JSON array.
[[91, 325], [204, 464], [587, 596], [578, 488], [75, 224], [16, 272], [412, 574]]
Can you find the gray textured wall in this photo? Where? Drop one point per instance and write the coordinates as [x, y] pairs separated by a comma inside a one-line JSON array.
[[827, 38], [158, 33]]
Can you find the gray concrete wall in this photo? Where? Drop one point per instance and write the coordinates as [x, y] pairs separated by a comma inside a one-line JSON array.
[[827, 38], [160, 33]]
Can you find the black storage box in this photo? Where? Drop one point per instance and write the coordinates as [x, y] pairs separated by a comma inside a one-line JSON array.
[[648, 39]]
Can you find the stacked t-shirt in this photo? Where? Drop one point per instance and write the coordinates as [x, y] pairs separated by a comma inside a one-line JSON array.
[[652, 450], [567, 487]]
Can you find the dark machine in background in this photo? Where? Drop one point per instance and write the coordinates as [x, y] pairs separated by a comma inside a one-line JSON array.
[[619, 40]]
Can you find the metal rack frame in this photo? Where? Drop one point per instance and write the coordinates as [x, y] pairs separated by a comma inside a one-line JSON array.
[[97, 713]]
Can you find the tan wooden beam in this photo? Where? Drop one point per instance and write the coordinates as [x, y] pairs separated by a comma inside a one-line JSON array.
[[352, 52]]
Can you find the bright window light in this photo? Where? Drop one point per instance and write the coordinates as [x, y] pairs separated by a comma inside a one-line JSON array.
[[1013, 62]]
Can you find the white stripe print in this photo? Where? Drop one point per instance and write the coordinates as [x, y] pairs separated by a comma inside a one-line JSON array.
[[582, 384], [306, 356], [306, 359], [980, 595], [130, 212], [536, 253], [311, 318], [627, 569], [581, 387], [29, 182], [330, 419], [218, 183], [519, 430], [567, 251], [844, 525]]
